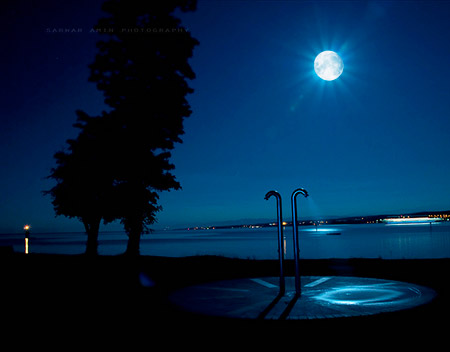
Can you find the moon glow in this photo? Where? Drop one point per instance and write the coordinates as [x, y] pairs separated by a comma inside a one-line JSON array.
[[328, 65]]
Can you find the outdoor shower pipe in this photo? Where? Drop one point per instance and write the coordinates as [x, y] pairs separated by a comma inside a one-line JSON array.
[[280, 237], [295, 230]]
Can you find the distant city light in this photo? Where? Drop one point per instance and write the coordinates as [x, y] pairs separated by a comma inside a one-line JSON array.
[[411, 220]]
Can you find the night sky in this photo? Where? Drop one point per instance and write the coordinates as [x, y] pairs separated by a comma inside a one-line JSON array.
[[376, 140]]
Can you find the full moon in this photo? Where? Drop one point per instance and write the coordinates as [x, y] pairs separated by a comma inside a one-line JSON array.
[[328, 65]]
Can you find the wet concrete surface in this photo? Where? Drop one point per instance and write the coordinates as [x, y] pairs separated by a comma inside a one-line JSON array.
[[321, 297]]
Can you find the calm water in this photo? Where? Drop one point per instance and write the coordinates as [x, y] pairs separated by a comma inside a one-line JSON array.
[[409, 241]]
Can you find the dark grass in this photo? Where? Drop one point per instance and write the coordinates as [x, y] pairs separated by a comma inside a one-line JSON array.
[[78, 296]]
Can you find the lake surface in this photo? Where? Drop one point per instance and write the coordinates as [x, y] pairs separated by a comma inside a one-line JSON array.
[[405, 241]]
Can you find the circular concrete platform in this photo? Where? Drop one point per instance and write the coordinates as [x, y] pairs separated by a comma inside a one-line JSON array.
[[321, 297]]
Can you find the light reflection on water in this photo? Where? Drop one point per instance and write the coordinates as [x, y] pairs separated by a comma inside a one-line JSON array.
[[337, 241]]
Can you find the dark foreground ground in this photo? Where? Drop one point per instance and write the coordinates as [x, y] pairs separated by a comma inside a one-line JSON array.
[[73, 298]]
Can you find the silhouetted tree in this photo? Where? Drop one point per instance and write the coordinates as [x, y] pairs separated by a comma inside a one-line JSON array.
[[84, 183], [142, 70], [120, 160]]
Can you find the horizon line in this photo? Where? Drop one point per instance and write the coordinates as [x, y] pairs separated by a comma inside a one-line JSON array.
[[241, 222]]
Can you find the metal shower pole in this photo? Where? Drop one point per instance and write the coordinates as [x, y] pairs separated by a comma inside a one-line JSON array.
[[295, 235], [280, 237]]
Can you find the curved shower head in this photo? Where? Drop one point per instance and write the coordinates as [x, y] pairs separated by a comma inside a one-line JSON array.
[[270, 194], [300, 191]]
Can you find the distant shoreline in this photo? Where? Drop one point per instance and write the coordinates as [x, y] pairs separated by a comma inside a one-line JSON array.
[[351, 220]]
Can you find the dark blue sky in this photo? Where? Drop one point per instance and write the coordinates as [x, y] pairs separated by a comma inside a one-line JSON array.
[[375, 140]]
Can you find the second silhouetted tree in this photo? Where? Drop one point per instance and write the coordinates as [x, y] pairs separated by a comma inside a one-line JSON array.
[[142, 69]]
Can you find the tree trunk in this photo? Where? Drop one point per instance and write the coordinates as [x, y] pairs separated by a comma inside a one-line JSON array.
[[134, 239], [92, 228]]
